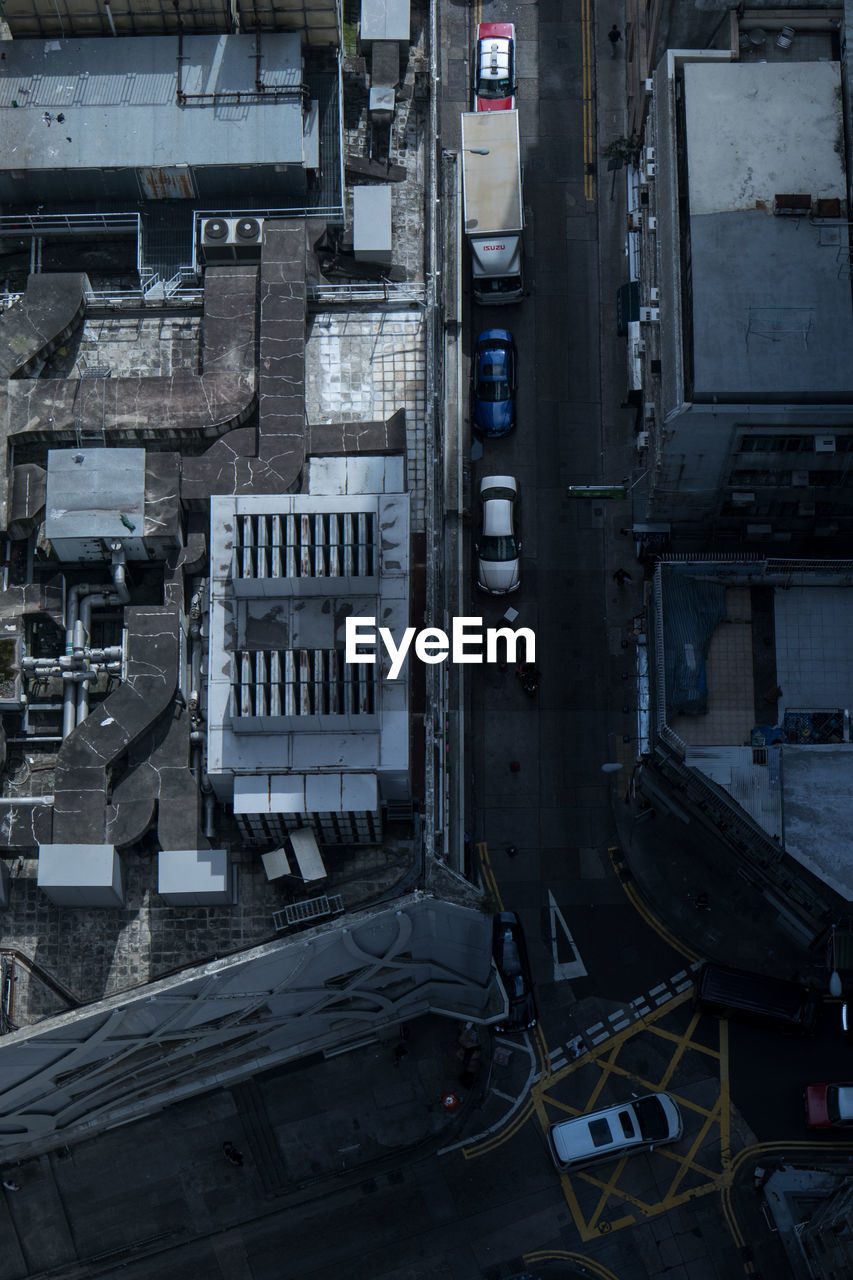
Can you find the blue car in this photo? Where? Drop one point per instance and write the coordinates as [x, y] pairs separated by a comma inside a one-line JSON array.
[[493, 394]]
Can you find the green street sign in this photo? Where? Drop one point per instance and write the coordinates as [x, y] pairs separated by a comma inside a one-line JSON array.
[[597, 491]]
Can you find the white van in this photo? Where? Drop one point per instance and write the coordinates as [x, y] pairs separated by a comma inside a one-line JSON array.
[[639, 1125]]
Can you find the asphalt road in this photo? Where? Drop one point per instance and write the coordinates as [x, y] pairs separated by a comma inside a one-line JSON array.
[[480, 1212]]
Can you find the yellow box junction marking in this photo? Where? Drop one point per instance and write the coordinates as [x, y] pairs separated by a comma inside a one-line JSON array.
[[612, 1196]]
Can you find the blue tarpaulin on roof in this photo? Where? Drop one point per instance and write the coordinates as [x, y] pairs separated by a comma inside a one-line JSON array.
[[692, 610]]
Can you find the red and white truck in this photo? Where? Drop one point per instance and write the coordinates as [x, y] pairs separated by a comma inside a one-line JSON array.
[[493, 207]]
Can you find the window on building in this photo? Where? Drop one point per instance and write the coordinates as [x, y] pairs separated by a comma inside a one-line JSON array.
[[742, 479]]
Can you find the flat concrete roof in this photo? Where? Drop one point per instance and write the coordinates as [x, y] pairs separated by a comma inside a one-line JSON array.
[[772, 315], [118, 103], [817, 798]]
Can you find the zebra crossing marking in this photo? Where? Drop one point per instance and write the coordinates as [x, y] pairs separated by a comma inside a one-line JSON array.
[[640, 1006]]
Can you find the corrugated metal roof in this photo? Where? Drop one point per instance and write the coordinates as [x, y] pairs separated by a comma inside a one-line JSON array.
[[118, 99], [756, 787]]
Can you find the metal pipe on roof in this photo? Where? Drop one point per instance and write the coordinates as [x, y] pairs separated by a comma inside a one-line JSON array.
[[69, 697], [108, 596], [118, 569], [12, 800], [110, 17]]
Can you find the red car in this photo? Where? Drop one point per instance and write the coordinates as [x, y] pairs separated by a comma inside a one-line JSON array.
[[829, 1106], [494, 67]]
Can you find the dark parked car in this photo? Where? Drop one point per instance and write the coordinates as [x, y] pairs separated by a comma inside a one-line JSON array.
[[510, 955], [493, 395]]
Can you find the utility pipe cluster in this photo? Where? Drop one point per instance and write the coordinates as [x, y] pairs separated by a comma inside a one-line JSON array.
[[80, 664]]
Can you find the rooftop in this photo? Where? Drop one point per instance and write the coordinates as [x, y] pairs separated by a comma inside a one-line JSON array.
[[759, 686], [118, 103], [771, 307]]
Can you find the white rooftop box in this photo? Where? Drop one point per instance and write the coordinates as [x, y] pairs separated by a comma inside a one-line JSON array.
[[385, 20], [194, 877], [81, 875], [372, 223]]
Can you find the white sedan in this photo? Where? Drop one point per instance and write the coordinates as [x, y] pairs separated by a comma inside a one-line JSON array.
[[498, 550]]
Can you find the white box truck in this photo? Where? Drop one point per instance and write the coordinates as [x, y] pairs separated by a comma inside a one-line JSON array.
[[494, 212]]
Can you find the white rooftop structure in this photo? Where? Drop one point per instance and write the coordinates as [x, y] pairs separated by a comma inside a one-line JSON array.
[[118, 102], [294, 730], [771, 311], [776, 731]]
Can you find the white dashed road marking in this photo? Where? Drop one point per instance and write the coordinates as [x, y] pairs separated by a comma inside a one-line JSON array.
[[638, 1008]]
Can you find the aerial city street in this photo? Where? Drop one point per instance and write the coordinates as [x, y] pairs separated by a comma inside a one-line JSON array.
[[425, 797]]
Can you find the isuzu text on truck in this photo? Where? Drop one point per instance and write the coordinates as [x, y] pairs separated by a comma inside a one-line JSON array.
[[491, 186]]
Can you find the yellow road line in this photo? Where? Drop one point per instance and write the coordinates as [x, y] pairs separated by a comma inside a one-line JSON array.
[[674, 1036], [543, 1051], [560, 1106], [682, 1043], [498, 1139], [761, 1151], [490, 884], [687, 1162], [588, 113], [607, 1189], [725, 1099], [715, 1181], [645, 912], [590, 1266]]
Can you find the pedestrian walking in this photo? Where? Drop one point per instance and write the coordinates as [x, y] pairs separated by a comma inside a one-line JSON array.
[[621, 576], [231, 1153], [702, 902], [614, 35]]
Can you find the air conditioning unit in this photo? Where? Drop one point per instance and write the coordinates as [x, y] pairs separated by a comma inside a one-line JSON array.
[[232, 239], [743, 499], [800, 479], [652, 223], [649, 314], [649, 85], [654, 295], [650, 155], [824, 444], [642, 441]]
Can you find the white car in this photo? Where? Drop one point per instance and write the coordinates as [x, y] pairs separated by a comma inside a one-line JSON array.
[[639, 1125], [498, 550]]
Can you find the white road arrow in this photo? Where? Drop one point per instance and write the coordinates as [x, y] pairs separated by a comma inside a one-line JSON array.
[[563, 969]]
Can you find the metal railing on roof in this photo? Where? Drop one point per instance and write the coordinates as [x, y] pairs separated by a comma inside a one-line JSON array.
[[376, 291], [307, 910], [47, 226], [63, 224], [139, 299]]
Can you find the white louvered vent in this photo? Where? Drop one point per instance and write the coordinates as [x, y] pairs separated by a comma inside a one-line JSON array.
[[300, 682], [309, 545]]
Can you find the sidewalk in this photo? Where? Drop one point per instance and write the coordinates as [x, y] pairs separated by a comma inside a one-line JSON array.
[[142, 1188]]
